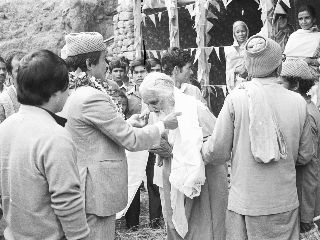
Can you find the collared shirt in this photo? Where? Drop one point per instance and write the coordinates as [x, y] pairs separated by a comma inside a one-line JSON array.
[[59, 120]]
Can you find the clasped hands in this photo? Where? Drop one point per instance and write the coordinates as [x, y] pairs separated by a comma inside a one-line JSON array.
[[140, 120]]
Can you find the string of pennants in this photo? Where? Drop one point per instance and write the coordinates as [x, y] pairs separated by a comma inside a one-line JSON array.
[[193, 52], [264, 5]]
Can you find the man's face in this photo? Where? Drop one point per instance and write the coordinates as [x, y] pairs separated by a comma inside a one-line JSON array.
[[156, 68], [15, 66], [118, 74], [160, 105], [184, 73], [139, 73], [3, 72], [99, 70]]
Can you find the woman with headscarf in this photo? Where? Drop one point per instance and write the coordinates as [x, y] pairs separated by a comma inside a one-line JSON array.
[[235, 70], [303, 47]]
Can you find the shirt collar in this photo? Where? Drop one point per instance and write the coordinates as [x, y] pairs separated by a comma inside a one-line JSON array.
[[59, 120]]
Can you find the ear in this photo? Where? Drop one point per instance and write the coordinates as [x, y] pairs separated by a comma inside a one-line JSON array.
[[296, 86], [89, 66], [175, 70]]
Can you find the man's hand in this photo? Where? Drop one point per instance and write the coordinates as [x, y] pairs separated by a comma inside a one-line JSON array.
[[170, 121], [138, 121], [164, 150]]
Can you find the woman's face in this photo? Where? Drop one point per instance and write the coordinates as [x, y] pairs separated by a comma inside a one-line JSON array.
[[306, 21], [240, 33]]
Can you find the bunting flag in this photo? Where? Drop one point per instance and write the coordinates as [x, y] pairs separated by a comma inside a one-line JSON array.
[[153, 19], [159, 16], [287, 2], [190, 9], [143, 18], [216, 49]]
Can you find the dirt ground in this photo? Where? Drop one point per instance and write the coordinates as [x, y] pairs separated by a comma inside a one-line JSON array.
[[144, 232]]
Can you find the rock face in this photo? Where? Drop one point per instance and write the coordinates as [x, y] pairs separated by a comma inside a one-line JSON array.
[[42, 24]]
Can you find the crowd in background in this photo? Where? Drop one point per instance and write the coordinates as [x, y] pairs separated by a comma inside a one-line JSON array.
[[79, 132]]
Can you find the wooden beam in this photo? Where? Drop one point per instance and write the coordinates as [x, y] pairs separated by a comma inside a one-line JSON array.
[[172, 7], [201, 29], [137, 27]]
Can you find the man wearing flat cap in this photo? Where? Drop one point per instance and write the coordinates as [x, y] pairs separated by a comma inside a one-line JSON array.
[[266, 132], [101, 134]]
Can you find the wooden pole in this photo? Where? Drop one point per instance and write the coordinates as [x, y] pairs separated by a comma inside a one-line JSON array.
[[172, 7], [201, 27], [137, 27]]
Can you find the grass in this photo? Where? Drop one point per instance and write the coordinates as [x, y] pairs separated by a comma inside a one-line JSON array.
[[144, 232]]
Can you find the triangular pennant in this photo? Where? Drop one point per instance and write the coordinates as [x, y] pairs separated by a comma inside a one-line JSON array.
[[286, 2], [154, 53], [225, 3], [153, 19], [215, 4], [208, 26], [216, 49], [159, 16], [190, 9], [208, 51], [224, 89], [143, 18], [197, 55]]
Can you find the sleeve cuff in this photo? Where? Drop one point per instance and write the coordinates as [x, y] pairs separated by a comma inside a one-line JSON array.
[[160, 126]]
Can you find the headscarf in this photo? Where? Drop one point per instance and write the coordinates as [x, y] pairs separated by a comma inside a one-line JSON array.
[[235, 25]]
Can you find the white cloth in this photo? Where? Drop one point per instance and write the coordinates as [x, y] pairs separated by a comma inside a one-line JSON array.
[[137, 163], [187, 168], [267, 141], [302, 43]]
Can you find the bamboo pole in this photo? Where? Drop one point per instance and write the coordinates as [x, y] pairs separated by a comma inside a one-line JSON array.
[[137, 27], [172, 7], [201, 26]]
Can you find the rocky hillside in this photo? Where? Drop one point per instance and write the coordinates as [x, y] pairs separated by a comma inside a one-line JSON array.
[[30, 24]]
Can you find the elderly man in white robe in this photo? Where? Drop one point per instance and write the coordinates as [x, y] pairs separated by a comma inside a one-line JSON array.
[[195, 193]]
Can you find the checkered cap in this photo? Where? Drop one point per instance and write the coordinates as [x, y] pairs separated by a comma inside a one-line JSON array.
[[264, 59], [84, 42], [298, 68]]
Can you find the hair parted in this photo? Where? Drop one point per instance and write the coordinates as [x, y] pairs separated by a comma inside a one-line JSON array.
[[41, 74], [153, 62]]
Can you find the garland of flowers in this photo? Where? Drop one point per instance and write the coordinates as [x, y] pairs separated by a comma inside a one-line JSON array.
[[79, 79]]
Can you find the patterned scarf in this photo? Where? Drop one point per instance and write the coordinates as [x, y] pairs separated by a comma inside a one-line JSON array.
[[80, 79]]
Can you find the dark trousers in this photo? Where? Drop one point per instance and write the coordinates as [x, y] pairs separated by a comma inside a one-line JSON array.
[[132, 215]]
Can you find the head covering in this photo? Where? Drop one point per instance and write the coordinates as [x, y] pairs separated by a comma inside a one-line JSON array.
[[84, 42], [262, 56], [235, 25], [158, 83]]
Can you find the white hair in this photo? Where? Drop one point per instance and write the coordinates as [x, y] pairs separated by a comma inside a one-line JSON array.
[[157, 83]]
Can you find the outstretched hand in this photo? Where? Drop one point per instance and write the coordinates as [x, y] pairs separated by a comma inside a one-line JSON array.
[[170, 121], [138, 121]]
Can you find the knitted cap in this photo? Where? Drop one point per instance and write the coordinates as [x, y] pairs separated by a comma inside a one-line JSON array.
[[262, 56], [84, 42]]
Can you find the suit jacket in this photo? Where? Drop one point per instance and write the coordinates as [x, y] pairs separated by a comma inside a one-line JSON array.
[[101, 136], [8, 103], [40, 184]]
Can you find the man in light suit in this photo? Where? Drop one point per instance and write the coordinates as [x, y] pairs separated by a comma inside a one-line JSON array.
[[40, 182], [101, 134]]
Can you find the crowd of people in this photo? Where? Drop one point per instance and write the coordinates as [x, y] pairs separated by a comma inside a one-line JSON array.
[[79, 132]]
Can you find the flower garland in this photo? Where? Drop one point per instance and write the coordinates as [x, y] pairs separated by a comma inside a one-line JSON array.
[[78, 79]]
